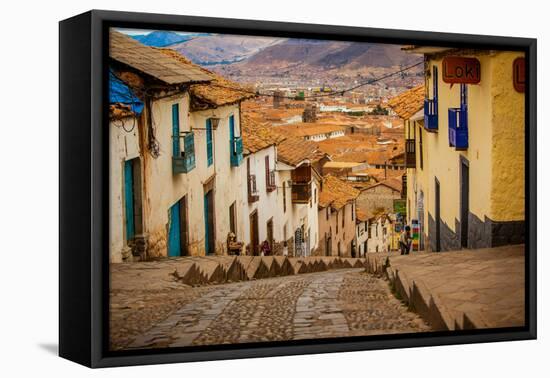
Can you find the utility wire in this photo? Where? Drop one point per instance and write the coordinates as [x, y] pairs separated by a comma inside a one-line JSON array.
[[339, 92]]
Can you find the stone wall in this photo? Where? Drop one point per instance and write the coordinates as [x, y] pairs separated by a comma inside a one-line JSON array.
[[481, 234]]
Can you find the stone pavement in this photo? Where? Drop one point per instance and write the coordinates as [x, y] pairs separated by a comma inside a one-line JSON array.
[[334, 303], [467, 289]]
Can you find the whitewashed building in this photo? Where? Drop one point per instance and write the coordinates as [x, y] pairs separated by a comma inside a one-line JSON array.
[[260, 218], [298, 180], [380, 234], [190, 152]]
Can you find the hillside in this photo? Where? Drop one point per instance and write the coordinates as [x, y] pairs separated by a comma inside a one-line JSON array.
[[222, 49]]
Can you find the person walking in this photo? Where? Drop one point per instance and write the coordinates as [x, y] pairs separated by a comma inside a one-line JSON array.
[[405, 241], [266, 248]]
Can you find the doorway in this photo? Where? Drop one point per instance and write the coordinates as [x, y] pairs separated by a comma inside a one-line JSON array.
[[178, 229], [209, 241], [464, 201], [270, 234], [437, 216], [254, 233], [132, 200]]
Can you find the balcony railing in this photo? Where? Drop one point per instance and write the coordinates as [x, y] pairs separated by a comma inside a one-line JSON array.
[[410, 153], [301, 192], [458, 128], [253, 194], [430, 115], [270, 181], [236, 151], [185, 161]]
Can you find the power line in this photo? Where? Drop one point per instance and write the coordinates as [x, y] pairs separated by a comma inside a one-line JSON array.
[[339, 92]]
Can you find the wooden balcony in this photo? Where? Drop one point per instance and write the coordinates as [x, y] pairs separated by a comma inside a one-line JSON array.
[[184, 162], [301, 192], [410, 153], [301, 184]]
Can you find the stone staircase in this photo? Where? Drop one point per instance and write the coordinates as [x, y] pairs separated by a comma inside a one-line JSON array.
[[207, 270]]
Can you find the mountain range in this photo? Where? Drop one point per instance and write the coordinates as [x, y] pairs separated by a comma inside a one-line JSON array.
[[331, 55], [265, 54], [164, 38]]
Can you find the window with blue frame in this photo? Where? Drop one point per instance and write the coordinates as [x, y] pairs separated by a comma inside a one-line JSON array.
[[175, 130], [235, 144], [209, 143], [430, 105], [458, 122], [183, 161]]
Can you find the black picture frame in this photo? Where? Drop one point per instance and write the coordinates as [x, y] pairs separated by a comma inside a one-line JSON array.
[[83, 181]]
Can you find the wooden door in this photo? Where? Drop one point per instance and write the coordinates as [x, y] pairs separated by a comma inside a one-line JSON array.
[[254, 233], [209, 223], [174, 231], [129, 204]]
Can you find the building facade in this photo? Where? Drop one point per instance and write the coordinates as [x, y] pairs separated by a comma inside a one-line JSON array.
[[465, 150], [337, 222]]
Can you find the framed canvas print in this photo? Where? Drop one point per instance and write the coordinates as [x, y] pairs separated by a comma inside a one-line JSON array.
[[234, 188]]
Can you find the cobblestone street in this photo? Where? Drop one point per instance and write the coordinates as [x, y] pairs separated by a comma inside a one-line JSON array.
[[337, 303]]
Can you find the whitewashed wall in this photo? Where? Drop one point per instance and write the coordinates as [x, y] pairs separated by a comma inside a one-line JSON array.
[[123, 146]]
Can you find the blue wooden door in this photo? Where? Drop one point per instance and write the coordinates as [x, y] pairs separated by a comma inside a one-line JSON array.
[[175, 130], [174, 238], [208, 223], [209, 147], [129, 199]]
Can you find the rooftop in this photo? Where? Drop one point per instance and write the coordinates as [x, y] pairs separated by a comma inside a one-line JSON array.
[[408, 103], [394, 183], [336, 193], [294, 150], [153, 62], [218, 92], [308, 129], [341, 164], [257, 136]]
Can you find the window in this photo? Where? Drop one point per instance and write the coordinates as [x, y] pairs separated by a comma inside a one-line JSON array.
[[328, 212], [284, 197], [233, 218], [175, 130], [337, 222], [315, 196], [209, 143], [352, 211]]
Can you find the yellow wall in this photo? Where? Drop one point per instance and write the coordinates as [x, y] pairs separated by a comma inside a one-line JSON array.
[[495, 152], [508, 189]]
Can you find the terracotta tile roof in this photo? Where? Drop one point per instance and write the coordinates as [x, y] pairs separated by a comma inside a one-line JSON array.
[[308, 129], [336, 193], [378, 174], [394, 183], [257, 136], [152, 62], [408, 103], [219, 91], [294, 150]]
